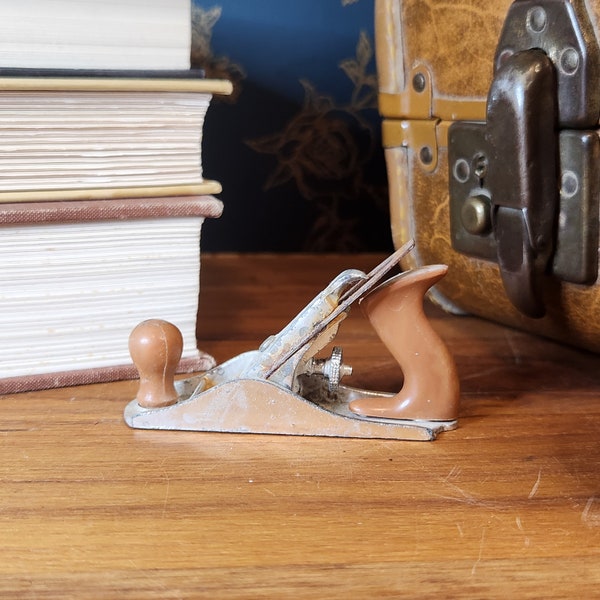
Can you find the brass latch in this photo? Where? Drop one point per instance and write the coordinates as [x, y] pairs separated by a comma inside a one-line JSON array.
[[525, 184]]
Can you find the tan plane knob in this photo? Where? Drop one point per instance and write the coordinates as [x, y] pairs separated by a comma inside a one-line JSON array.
[[155, 347]]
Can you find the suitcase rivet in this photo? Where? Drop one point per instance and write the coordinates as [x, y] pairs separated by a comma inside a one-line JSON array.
[[503, 56], [569, 61], [426, 155], [569, 184], [536, 19], [419, 82], [461, 170]]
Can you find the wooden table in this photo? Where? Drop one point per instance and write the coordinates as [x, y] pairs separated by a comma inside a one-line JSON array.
[[506, 506]]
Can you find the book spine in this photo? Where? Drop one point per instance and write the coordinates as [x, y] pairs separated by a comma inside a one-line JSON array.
[[16, 385], [109, 210]]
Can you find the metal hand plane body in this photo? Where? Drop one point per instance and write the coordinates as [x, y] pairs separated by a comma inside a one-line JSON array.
[[283, 388]]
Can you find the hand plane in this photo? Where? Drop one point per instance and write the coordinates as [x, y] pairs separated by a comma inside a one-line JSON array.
[[283, 388]]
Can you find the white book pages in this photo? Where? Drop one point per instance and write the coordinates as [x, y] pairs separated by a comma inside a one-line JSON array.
[[95, 34], [75, 140], [70, 294]]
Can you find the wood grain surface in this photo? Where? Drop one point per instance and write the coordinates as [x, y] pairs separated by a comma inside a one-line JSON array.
[[506, 506]]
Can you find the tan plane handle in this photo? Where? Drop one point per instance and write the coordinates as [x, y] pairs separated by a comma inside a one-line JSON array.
[[431, 387]]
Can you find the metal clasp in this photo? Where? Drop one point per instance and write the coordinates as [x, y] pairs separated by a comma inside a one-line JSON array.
[[524, 184]]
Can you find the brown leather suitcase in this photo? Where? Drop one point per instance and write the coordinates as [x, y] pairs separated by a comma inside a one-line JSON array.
[[490, 126]]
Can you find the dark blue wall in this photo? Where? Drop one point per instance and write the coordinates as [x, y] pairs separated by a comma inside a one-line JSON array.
[[297, 148]]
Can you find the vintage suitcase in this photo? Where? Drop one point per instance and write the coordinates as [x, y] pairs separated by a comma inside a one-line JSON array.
[[490, 126]]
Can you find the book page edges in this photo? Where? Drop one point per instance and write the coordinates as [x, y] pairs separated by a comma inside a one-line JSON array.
[[14, 385]]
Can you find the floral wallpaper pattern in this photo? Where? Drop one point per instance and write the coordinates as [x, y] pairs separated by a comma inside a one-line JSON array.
[[297, 147]]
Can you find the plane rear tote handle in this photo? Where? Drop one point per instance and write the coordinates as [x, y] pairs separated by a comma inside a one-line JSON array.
[[431, 387]]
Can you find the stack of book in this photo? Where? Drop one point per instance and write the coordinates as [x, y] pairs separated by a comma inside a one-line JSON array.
[[102, 195]]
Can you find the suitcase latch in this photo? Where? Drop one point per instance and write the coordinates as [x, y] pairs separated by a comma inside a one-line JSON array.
[[524, 184]]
